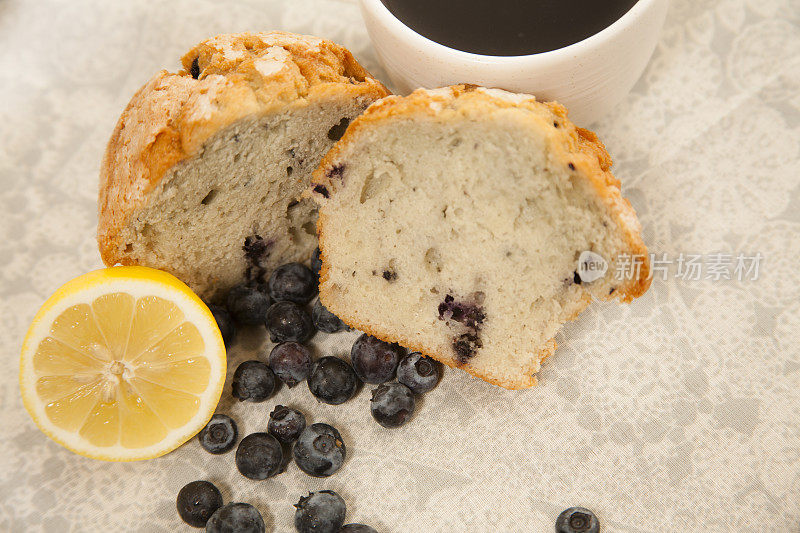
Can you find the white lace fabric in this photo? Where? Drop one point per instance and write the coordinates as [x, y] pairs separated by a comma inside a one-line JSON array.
[[680, 412]]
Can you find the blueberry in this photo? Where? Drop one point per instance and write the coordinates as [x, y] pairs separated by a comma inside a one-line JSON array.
[[320, 450], [194, 69], [291, 362], [323, 190], [287, 321], [326, 321], [293, 282], [286, 424], [577, 520], [219, 435], [335, 172], [256, 250], [236, 518], [225, 323], [357, 528], [465, 346], [337, 130], [392, 404], [316, 262], [471, 315], [332, 380], [418, 373], [319, 512], [259, 456], [197, 501], [253, 381], [373, 360], [247, 304]]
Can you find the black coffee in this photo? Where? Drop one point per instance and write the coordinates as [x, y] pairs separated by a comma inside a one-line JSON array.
[[508, 27]]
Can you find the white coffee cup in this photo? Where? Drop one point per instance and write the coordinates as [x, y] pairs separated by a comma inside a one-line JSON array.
[[588, 77]]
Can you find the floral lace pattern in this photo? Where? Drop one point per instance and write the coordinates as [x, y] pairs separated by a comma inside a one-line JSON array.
[[676, 413]]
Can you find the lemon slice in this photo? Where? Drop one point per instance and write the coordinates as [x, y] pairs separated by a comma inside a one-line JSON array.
[[122, 364]]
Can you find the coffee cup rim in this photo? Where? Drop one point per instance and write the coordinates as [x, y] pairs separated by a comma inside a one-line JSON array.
[[566, 52]]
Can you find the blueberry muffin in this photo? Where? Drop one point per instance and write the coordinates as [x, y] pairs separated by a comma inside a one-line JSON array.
[[202, 174], [456, 221]]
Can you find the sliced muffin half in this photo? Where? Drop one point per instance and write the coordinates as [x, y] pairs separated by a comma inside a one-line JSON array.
[[202, 174], [470, 224]]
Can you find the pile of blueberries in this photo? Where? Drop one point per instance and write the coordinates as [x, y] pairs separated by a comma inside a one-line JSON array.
[[317, 449]]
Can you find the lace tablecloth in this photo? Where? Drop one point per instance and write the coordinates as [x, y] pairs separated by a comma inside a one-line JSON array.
[[680, 412]]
